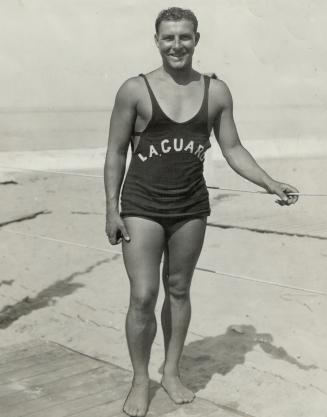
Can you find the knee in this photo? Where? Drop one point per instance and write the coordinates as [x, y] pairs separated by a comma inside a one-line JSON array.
[[177, 290], [143, 302]]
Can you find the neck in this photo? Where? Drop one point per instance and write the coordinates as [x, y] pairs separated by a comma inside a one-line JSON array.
[[180, 76]]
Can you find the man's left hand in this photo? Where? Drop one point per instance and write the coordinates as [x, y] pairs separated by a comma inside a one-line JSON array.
[[284, 192]]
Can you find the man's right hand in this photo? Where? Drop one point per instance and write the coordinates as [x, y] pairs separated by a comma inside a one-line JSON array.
[[116, 230]]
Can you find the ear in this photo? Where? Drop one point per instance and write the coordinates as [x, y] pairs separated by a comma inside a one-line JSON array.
[[156, 40], [197, 38]]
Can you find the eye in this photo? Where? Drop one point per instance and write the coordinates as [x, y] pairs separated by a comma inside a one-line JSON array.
[[186, 37], [167, 38]]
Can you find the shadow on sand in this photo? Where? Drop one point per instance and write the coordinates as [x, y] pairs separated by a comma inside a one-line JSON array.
[[220, 354]]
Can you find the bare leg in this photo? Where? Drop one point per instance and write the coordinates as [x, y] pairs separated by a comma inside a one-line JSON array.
[[142, 256], [183, 250]]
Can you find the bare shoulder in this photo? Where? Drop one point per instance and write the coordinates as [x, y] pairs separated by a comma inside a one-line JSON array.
[[220, 93], [154, 73], [130, 91]]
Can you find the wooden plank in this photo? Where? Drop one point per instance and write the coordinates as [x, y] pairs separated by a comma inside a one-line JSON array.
[[220, 412], [94, 377], [13, 347], [77, 365], [159, 405], [65, 408], [42, 368], [50, 380], [34, 359], [108, 409], [197, 408], [104, 379], [166, 408], [54, 387], [21, 350]]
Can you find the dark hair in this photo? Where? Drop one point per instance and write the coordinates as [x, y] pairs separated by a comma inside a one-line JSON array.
[[176, 14]]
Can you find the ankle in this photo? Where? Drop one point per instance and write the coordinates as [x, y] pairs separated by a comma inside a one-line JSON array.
[[170, 373], [141, 379]]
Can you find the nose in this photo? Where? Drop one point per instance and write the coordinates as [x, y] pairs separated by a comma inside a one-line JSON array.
[[177, 43]]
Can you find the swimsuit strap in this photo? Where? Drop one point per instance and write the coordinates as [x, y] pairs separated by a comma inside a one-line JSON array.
[[156, 109], [204, 111], [204, 106], [157, 113]]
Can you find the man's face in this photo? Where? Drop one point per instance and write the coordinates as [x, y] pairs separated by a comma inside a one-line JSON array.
[[176, 42]]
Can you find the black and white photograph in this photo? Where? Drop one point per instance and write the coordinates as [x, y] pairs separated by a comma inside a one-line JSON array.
[[163, 231]]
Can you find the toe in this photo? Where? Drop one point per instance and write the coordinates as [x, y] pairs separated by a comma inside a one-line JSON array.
[[130, 411], [140, 413], [179, 400], [189, 397]]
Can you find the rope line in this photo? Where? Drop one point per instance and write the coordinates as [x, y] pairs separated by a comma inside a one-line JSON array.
[[65, 242], [199, 268], [272, 283], [75, 174], [235, 190]]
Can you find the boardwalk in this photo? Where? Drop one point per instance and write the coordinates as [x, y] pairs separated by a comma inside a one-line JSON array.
[[40, 379]]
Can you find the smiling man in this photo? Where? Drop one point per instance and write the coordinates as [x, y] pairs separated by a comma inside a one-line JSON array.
[[167, 116]]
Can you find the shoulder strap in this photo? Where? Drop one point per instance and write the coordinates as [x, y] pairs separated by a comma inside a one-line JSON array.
[[206, 86], [155, 104], [156, 110], [205, 108], [157, 113], [206, 93], [148, 86]]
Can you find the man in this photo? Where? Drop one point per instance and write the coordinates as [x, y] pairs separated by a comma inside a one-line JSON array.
[[168, 114]]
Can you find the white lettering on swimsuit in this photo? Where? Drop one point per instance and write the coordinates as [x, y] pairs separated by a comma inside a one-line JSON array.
[[199, 150], [153, 151], [171, 145], [164, 149], [190, 147], [180, 147], [142, 158]]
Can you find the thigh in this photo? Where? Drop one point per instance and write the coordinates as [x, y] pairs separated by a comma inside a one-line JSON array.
[[142, 254], [183, 249]]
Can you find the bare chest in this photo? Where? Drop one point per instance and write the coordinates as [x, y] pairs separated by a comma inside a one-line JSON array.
[[178, 102]]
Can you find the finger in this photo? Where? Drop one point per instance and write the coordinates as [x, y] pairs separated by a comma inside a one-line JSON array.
[[280, 191], [289, 189], [281, 195], [280, 203], [291, 197], [112, 239], [125, 233]]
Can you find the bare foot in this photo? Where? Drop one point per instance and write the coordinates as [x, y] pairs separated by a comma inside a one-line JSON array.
[[137, 401], [176, 390]]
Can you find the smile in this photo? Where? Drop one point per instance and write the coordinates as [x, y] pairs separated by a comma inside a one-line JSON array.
[[177, 56]]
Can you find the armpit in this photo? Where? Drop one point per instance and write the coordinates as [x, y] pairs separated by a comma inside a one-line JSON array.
[[135, 142]]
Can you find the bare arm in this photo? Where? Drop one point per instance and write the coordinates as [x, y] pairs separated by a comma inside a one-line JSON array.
[[236, 155], [121, 127]]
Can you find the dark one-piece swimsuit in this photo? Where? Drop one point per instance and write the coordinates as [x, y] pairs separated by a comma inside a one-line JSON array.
[[165, 179]]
